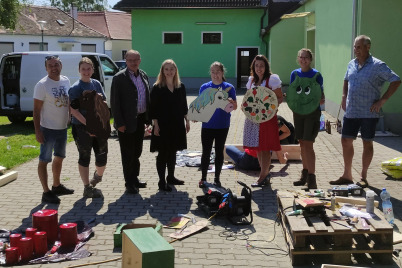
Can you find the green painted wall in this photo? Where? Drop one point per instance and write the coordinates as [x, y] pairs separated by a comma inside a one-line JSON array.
[[386, 39], [333, 23], [285, 39], [241, 28]]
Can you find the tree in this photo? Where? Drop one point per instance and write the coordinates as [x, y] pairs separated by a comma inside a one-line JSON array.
[[8, 13], [82, 5]]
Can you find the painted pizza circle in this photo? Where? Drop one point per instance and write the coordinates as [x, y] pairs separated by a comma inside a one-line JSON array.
[[259, 104]]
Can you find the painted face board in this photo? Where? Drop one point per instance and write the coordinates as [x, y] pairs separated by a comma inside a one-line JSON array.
[[303, 95]]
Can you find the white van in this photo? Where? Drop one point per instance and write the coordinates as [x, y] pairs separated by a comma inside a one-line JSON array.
[[20, 71]]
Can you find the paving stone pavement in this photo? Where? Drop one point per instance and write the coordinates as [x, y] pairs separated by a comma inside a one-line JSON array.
[[211, 248]]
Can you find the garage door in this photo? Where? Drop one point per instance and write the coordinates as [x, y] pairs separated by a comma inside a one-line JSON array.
[[6, 47]]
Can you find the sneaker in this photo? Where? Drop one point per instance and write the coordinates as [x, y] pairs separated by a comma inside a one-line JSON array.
[[95, 179], [61, 190], [92, 192], [50, 197]]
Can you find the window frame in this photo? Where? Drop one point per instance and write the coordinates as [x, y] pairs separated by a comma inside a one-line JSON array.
[[211, 32], [176, 32]]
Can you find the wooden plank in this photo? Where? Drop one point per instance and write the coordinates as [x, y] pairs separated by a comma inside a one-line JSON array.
[[353, 200], [318, 224], [9, 177]]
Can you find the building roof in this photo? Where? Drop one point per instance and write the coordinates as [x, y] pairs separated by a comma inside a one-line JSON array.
[[127, 5], [279, 7], [58, 23], [115, 25]]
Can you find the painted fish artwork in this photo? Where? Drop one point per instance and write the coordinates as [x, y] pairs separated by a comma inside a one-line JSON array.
[[259, 104], [204, 106]]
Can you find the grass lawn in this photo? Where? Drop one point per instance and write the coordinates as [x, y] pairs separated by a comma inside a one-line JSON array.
[[18, 142]]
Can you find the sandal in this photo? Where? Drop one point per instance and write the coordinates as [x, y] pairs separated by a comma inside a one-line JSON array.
[[264, 182], [362, 183]]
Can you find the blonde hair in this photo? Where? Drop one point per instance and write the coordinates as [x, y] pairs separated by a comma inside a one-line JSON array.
[[310, 53], [161, 79]]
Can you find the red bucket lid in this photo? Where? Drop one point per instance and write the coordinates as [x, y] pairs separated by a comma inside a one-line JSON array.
[[15, 235], [12, 249], [68, 225], [45, 213], [40, 233], [24, 239]]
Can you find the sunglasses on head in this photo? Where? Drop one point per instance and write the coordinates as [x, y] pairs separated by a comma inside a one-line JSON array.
[[52, 57]]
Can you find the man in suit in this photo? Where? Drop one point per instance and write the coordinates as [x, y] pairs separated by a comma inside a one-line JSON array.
[[130, 108]]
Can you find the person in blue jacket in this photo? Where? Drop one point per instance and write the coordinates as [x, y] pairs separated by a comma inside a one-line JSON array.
[[217, 128]]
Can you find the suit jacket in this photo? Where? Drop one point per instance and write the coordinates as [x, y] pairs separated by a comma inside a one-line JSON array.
[[124, 98]]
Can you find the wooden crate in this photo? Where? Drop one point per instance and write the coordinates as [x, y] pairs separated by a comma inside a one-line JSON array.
[[145, 248], [316, 236]]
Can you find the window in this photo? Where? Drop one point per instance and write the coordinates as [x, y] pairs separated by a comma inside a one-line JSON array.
[[212, 37], [123, 54], [172, 38], [88, 48], [36, 46], [109, 68], [6, 47]]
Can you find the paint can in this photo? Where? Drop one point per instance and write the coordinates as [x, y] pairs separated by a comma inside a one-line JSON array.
[[29, 232], [26, 249], [12, 256], [15, 240], [40, 243], [46, 220], [68, 234]]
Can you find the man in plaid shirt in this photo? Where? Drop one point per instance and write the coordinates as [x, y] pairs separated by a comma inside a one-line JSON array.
[[362, 102]]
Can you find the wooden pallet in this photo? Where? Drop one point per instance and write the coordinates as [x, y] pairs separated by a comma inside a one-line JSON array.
[[312, 236]]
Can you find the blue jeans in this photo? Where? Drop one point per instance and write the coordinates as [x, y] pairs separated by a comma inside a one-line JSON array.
[[242, 160], [55, 140]]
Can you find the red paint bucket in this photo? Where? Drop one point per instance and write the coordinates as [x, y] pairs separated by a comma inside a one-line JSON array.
[[46, 220], [68, 234], [29, 232], [12, 256], [40, 243], [26, 249], [15, 240]]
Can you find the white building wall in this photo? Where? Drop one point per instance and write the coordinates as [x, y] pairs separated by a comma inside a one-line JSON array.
[[55, 43]]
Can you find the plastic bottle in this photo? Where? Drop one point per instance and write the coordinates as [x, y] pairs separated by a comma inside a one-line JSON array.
[[333, 202], [322, 122], [387, 206], [370, 201]]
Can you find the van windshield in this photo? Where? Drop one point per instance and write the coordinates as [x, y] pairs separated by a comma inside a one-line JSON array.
[[109, 68]]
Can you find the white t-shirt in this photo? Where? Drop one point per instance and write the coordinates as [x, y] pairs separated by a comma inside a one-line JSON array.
[[54, 94], [274, 82]]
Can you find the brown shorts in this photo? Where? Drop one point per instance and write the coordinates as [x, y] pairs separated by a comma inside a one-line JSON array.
[[307, 126]]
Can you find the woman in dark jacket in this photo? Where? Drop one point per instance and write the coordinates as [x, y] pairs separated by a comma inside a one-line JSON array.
[[170, 123]]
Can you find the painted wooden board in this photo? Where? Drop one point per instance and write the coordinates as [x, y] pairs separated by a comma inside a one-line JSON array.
[[199, 225], [6, 178], [205, 105], [259, 104]]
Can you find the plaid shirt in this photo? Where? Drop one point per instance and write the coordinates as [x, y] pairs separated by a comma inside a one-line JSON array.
[[142, 99], [364, 86]]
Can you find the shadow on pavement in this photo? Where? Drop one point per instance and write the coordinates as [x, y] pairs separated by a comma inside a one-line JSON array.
[[163, 206], [125, 209], [83, 211]]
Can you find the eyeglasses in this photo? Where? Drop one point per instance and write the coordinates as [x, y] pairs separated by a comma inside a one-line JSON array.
[[56, 57], [304, 58]]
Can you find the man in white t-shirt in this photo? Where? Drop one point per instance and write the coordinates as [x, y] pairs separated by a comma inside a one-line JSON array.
[[51, 116]]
